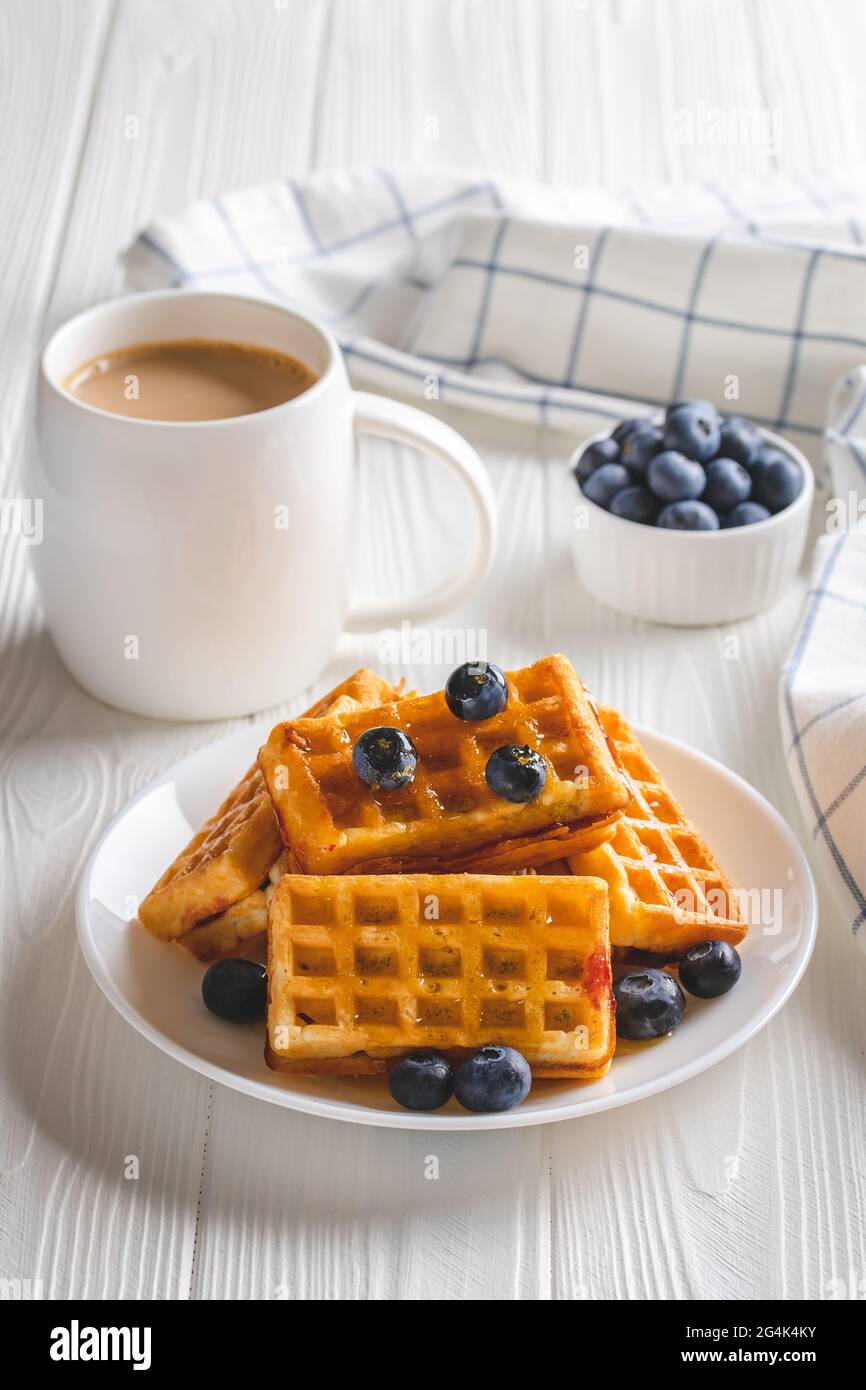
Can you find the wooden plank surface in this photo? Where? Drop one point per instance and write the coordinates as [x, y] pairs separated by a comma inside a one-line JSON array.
[[743, 1182]]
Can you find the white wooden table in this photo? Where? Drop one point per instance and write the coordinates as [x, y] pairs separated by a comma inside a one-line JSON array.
[[748, 1181]]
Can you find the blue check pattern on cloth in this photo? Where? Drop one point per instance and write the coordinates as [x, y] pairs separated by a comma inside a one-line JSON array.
[[823, 712], [567, 307], [575, 308], [822, 694]]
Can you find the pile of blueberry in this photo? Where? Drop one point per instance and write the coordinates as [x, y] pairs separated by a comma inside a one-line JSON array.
[[386, 758], [650, 1003], [492, 1078], [697, 471], [489, 1079]]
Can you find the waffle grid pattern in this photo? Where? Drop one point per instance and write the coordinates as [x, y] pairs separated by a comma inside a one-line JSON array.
[[383, 964], [240, 805], [232, 931], [667, 890], [448, 803], [229, 858]]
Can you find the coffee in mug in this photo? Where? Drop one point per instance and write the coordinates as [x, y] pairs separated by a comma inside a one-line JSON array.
[[189, 379]]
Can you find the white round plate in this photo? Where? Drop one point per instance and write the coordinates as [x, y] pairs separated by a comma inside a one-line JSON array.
[[157, 988]]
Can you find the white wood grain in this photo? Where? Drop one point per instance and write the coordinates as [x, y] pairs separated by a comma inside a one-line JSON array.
[[745, 1182]]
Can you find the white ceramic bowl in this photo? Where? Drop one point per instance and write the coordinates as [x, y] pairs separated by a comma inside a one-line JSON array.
[[690, 578]]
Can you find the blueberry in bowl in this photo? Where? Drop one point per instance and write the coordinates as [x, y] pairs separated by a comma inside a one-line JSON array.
[[746, 514], [641, 444], [690, 516], [625, 427], [602, 486], [740, 440], [728, 484], [690, 454], [601, 452], [776, 480], [675, 478], [694, 429], [636, 504], [705, 406]]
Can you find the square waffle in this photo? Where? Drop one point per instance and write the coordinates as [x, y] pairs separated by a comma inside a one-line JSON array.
[[447, 818], [230, 932], [362, 968], [667, 892], [231, 855]]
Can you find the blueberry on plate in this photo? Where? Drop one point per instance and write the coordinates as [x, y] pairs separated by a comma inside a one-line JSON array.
[[421, 1080], [476, 690], [674, 478], [688, 516], [385, 757], [493, 1078], [693, 429], [710, 969], [603, 485], [625, 427], [776, 480], [648, 1004], [728, 484], [636, 504], [236, 990], [640, 445], [594, 456], [745, 514], [740, 440], [515, 772]]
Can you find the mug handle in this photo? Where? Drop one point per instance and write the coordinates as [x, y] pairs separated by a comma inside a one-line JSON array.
[[403, 423]]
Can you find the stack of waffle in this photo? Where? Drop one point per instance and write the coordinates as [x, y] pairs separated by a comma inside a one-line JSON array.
[[406, 918]]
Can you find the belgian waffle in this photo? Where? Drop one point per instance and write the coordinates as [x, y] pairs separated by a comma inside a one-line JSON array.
[[230, 933], [667, 892], [231, 855], [447, 818], [362, 968]]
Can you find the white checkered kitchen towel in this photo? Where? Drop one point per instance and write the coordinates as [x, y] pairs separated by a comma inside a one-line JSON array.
[[574, 308], [823, 685]]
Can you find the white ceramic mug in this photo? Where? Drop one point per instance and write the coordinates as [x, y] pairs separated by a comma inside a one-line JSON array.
[[200, 569]]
